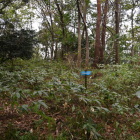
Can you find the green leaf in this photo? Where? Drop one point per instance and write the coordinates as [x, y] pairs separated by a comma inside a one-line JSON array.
[[42, 103], [16, 95], [138, 94], [25, 107]]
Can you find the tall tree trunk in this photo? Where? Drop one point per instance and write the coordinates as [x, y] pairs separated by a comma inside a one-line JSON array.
[[87, 49], [62, 24], [84, 35], [132, 28], [85, 4], [103, 33], [97, 40], [116, 43], [52, 29], [79, 35]]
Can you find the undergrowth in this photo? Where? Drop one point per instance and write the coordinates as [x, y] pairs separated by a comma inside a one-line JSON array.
[[48, 100]]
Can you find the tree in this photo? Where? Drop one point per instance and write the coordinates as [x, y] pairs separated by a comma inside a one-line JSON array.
[[85, 4], [79, 34], [16, 44], [98, 31], [62, 24], [117, 28], [48, 26], [103, 32]]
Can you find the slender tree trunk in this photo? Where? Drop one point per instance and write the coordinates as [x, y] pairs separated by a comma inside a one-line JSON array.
[[52, 36], [132, 28], [86, 32], [62, 26], [103, 33], [79, 35], [51, 29], [116, 43], [87, 49], [52, 50], [97, 40], [84, 35]]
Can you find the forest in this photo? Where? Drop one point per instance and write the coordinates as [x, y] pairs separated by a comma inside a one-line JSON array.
[[69, 70]]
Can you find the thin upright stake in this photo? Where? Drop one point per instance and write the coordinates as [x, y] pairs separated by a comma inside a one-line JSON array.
[[86, 81]]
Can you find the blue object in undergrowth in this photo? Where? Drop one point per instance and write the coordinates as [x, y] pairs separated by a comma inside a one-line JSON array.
[[85, 73]]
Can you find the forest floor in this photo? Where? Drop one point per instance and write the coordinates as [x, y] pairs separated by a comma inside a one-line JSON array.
[[48, 100]]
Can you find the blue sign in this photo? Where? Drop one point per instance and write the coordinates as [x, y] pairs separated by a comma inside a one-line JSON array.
[[85, 73]]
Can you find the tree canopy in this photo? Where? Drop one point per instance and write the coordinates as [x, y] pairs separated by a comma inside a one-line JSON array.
[[16, 44]]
